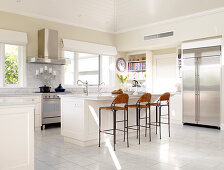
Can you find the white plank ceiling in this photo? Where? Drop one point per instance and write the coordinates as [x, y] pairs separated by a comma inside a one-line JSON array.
[[109, 15]]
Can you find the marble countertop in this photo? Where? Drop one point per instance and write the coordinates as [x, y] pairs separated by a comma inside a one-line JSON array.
[[106, 96], [22, 94], [13, 102]]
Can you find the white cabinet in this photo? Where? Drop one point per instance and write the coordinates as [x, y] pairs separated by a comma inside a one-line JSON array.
[[28, 98], [176, 109], [38, 113], [72, 118], [17, 137]]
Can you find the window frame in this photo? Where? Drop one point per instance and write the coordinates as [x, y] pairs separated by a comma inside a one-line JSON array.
[[21, 66], [76, 68]]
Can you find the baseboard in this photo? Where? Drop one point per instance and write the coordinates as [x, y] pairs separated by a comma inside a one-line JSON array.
[[222, 126], [95, 141], [201, 125], [176, 122]]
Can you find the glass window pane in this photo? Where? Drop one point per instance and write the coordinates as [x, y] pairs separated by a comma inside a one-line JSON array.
[[108, 69], [69, 69], [88, 67], [11, 64]]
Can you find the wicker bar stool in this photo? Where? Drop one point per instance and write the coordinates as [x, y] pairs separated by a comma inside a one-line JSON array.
[[142, 103], [121, 99], [164, 100]]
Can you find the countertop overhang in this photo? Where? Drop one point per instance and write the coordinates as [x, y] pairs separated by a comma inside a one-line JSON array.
[[103, 96]]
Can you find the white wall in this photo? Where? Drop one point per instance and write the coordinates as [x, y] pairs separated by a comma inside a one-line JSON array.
[[191, 28], [164, 73], [31, 26]]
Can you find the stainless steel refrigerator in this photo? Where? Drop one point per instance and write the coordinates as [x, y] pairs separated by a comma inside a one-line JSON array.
[[201, 86]]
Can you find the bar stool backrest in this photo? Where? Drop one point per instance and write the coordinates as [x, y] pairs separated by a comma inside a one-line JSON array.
[[165, 97], [145, 98], [121, 99]]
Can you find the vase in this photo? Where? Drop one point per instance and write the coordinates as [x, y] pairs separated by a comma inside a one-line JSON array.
[[123, 86]]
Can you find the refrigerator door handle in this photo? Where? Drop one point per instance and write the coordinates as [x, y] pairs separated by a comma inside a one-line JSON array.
[[198, 98], [196, 90]]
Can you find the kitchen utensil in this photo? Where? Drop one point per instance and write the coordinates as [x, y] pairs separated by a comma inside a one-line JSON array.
[[45, 89], [60, 89]]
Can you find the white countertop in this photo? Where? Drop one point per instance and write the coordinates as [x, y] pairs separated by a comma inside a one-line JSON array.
[[13, 102], [22, 94], [106, 96]]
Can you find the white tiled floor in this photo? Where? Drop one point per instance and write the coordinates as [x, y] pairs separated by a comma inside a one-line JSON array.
[[189, 148]]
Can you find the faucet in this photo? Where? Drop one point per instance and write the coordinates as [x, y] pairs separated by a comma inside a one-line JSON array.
[[86, 89], [135, 83], [99, 87]]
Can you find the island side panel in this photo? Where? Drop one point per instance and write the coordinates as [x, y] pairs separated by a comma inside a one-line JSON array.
[[17, 137], [72, 119]]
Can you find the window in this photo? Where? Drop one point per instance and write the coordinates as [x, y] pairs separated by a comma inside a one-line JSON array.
[[93, 68], [108, 69], [88, 68], [69, 77], [11, 65]]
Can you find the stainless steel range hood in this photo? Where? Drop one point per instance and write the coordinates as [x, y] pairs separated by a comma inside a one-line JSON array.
[[48, 49]]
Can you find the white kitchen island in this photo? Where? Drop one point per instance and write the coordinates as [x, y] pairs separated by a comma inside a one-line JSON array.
[[17, 134], [80, 116]]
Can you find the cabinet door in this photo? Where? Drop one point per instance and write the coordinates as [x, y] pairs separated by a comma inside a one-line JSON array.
[[17, 137], [37, 117], [72, 118]]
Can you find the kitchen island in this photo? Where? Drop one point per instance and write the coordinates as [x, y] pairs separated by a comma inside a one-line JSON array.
[[17, 134], [18, 97], [79, 124]]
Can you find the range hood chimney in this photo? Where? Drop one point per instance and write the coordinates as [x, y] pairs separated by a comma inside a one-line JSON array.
[[48, 48]]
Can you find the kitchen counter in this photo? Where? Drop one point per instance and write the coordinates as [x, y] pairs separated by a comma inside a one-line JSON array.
[[20, 94], [79, 123], [104, 96], [13, 102], [17, 131], [21, 99]]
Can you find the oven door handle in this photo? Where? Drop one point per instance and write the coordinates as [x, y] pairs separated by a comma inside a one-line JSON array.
[[54, 100]]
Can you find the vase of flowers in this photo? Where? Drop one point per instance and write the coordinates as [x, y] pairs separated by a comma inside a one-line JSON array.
[[122, 80]]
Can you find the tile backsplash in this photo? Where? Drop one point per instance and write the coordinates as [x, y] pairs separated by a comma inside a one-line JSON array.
[[34, 82]]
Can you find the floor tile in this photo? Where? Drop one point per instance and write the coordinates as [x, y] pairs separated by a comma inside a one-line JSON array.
[[188, 148]]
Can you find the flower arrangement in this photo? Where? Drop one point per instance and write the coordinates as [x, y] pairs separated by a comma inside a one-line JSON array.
[[122, 78]]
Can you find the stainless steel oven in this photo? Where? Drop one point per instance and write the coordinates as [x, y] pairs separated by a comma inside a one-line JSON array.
[[51, 108]]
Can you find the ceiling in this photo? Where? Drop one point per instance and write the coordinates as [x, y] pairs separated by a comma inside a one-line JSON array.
[[109, 15]]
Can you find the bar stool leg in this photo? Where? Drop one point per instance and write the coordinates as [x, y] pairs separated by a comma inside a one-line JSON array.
[[139, 125], [137, 121], [127, 129], [124, 124], [160, 127], [99, 125], [169, 118], [156, 118], [146, 121], [150, 131], [114, 128]]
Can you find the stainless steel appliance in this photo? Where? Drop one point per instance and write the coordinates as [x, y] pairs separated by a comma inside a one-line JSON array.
[[51, 108], [201, 86], [48, 48]]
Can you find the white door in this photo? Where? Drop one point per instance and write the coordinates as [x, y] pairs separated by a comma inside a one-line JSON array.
[[164, 73]]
